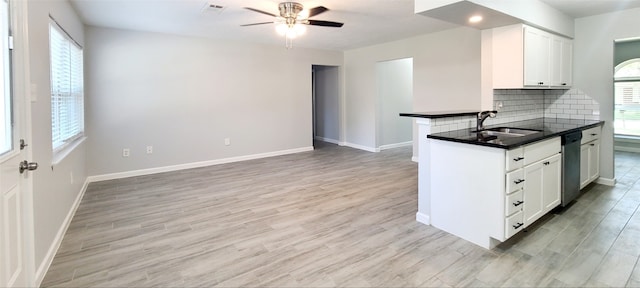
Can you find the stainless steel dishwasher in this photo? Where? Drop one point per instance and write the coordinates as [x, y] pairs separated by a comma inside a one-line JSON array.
[[570, 167]]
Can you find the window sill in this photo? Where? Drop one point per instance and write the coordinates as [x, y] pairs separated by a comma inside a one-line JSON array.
[[59, 155]]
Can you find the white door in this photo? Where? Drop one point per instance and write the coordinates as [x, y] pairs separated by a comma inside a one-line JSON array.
[[15, 235]]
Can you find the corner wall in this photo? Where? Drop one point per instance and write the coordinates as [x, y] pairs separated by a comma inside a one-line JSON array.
[[56, 187], [184, 96], [593, 68], [446, 73]]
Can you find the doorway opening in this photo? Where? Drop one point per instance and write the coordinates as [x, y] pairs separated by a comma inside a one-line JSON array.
[[627, 95], [394, 86], [325, 95]]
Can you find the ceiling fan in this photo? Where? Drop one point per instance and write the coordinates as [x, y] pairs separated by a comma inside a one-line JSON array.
[[292, 18]]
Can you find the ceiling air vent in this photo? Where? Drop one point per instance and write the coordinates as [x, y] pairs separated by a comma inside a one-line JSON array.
[[210, 7]]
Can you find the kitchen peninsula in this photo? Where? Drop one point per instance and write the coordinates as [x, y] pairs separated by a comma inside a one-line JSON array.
[[485, 186]]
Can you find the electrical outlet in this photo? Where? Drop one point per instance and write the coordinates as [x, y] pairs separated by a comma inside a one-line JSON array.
[[126, 152], [149, 149], [227, 141]]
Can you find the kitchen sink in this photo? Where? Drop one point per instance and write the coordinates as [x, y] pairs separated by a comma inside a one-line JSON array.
[[507, 132]]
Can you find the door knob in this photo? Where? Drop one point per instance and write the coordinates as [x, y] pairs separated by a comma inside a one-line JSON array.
[[24, 165]]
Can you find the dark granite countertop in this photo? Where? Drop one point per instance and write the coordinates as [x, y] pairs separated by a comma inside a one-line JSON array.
[[548, 127], [440, 114]]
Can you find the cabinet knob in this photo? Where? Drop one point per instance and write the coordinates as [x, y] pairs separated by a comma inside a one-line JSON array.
[[594, 134], [518, 203], [592, 144], [564, 84], [540, 83], [546, 163], [518, 225]]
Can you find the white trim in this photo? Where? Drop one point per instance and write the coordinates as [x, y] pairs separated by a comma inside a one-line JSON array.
[[627, 149], [626, 138], [415, 159], [59, 155], [423, 218], [328, 140], [149, 171], [606, 181], [362, 147], [57, 241], [396, 145]]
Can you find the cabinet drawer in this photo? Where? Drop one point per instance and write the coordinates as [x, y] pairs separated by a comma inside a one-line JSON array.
[[515, 180], [514, 203], [513, 224], [590, 134], [540, 150], [515, 158]]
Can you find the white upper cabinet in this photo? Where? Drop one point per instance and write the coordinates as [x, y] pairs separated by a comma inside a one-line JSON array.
[[537, 56], [527, 57]]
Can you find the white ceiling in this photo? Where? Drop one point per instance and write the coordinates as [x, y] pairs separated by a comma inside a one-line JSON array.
[[367, 22]]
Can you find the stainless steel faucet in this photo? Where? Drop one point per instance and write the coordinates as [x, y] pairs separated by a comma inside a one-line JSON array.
[[483, 116]]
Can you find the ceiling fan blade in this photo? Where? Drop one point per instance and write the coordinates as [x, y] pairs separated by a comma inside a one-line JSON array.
[[260, 11], [253, 24], [317, 10], [325, 23]]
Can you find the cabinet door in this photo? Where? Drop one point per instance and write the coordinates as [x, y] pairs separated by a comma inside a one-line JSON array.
[[551, 173], [567, 63], [537, 48], [584, 165], [594, 160], [556, 61], [532, 192], [561, 61]]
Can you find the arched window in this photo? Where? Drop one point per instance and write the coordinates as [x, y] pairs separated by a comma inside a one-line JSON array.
[[627, 98]]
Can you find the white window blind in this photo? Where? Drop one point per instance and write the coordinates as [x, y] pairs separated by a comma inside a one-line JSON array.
[[67, 91]]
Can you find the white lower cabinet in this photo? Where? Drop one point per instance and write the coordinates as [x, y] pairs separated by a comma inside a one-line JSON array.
[[535, 187], [551, 189], [590, 156], [486, 195]]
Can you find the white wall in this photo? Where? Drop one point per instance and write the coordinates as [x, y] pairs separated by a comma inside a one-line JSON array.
[[394, 81], [593, 68], [327, 103], [446, 73], [54, 192], [185, 95]]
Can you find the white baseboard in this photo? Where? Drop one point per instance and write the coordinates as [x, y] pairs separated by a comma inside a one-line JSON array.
[[415, 159], [627, 149], [149, 171], [423, 218], [57, 241], [362, 147], [396, 145], [606, 181], [328, 140]]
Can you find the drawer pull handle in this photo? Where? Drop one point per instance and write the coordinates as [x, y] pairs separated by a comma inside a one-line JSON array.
[[594, 134], [546, 163], [518, 225], [518, 181], [518, 203], [592, 144], [518, 159]]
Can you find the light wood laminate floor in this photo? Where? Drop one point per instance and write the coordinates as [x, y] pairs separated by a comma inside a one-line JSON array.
[[332, 217]]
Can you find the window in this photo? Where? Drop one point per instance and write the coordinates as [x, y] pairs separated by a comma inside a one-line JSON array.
[[6, 126], [627, 98], [67, 91]]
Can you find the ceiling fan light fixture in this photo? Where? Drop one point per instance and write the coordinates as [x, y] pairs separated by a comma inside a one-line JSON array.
[[290, 31]]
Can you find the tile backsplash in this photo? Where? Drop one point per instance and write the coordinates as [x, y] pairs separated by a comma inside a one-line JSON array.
[[570, 104], [521, 105]]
